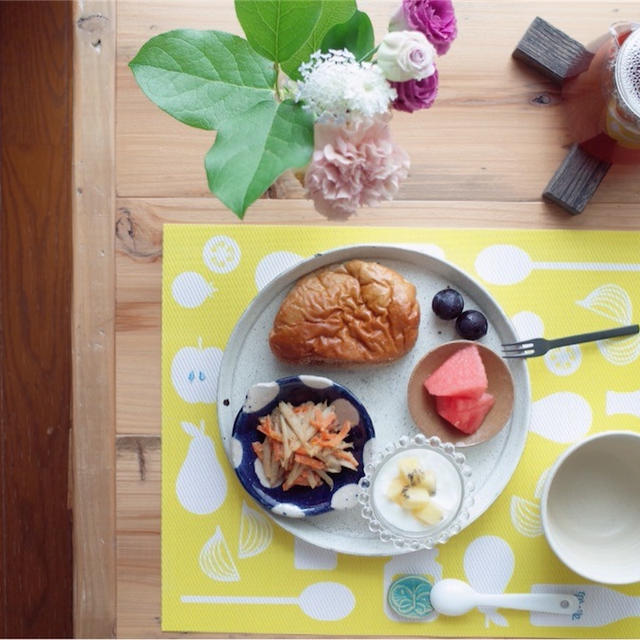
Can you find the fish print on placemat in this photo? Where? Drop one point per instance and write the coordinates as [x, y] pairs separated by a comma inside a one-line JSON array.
[[599, 606], [623, 402]]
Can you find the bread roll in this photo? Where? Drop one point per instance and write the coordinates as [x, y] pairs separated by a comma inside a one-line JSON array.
[[357, 312]]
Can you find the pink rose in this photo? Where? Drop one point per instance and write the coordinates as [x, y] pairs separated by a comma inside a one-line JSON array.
[[354, 164], [435, 18], [416, 94]]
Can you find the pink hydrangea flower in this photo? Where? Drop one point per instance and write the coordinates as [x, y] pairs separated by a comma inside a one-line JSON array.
[[354, 164], [415, 94], [435, 18]]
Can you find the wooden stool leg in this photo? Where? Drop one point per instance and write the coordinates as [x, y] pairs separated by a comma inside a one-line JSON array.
[[552, 52], [576, 180]]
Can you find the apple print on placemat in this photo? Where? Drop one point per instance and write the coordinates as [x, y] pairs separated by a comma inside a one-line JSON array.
[[194, 373]]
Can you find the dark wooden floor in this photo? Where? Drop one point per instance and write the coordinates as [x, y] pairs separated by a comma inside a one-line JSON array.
[[35, 341]]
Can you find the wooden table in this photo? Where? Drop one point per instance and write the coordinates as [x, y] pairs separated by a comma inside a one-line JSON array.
[[480, 158]]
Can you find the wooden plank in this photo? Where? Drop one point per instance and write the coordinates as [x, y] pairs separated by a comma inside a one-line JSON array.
[[483, 91], [576, 180], [139, 276], [93, 320], [160, 179], [552, 52], [35, 292]]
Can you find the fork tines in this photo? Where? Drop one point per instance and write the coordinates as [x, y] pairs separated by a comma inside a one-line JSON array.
[[524, 349]]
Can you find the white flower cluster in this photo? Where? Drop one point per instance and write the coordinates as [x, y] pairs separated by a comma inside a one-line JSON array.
[[336, 86]]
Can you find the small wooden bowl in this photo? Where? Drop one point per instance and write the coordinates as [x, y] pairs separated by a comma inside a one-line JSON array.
[[422, 405]]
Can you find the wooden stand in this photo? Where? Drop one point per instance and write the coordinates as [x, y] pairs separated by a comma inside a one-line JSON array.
[[558, 57]]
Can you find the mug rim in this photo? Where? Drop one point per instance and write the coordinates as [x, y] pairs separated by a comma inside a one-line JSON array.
[[553, 471]]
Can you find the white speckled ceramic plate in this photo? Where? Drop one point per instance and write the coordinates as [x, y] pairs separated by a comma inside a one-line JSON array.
[[381, 388]]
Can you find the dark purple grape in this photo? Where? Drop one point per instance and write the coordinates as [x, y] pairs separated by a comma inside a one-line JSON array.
[[447, 304], [472, 325]]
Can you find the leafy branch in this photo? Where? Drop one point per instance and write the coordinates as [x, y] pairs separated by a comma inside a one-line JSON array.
[[218, 81]]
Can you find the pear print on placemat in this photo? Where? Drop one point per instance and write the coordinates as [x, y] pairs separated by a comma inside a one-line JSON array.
[[216, 561], [256, 532], [612, 301], [194, 373], [562, 417], [201, 485], [488, 564], [273, 265], [189, 289], [422, 563]]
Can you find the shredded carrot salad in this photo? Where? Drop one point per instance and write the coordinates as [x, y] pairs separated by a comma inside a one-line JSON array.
[[303, 445]]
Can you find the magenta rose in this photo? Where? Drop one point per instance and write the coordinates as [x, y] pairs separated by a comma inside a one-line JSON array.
[[435, 18], [416, 94]]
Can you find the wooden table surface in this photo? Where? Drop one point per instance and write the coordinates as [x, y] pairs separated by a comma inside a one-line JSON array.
[[480, 158]]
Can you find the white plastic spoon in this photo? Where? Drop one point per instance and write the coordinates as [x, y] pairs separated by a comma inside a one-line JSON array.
[[455, 597], [320, 601], [508, 264]]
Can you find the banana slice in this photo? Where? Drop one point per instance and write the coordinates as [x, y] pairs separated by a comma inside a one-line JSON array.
[[411, 471], [395, 488], [414, 498], [430, 514]]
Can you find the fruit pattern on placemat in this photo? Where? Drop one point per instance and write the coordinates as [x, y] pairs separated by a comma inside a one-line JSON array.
[[227, 568]]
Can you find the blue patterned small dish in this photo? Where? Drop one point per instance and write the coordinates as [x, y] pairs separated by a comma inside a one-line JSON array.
[[299, 502], [409, 597]]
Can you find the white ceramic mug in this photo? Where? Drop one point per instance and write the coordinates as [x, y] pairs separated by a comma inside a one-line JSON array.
[[590, 507]]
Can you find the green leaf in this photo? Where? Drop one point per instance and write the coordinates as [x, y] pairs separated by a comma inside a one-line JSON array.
[[252, 151], [356, 35], [332, 12], [203, 78], [276, 29]]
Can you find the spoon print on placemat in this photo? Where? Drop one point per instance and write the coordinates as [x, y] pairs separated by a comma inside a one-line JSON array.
[[508, 264], [321, 601]]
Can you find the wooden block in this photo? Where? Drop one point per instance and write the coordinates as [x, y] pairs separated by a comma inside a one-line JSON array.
[[552, 52], [576, 180]]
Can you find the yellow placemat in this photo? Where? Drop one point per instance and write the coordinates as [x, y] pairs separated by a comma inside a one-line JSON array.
[[226, 568]]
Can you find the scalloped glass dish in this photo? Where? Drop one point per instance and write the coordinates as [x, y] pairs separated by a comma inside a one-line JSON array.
[[387, 519]]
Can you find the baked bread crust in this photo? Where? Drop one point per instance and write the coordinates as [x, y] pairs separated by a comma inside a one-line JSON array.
[[356, 312]]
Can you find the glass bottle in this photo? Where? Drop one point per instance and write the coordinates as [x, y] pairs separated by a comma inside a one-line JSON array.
[[603, 102]]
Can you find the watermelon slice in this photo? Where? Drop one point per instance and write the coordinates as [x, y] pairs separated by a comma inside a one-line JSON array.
[[462, 374], [465, 414]]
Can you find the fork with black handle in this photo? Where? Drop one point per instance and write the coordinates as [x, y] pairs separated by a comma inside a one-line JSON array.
[[539, 346]]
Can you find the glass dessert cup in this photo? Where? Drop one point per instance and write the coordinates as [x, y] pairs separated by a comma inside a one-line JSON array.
[[454, 493]]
